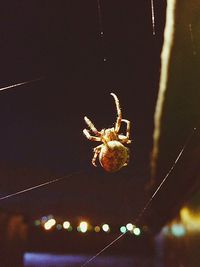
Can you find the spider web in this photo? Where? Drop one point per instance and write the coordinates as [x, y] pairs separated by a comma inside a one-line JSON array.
[[56, 180], [153, 17], [137, 220]]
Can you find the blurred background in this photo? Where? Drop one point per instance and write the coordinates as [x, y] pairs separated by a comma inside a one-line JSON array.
[[81, 51]]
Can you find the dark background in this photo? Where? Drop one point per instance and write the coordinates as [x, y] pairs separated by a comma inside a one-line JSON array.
[[42, 122]]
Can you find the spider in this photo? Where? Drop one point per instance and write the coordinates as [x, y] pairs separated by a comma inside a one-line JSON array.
[[113, 155]]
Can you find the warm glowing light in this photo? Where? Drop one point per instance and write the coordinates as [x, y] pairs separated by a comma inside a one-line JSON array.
[[190, 219], [97, 229], [129, 226], [136, 231], [49, 224], [83, 226], [66, 225], [185, 214], [123, 229], [105, 227], [52, 221]]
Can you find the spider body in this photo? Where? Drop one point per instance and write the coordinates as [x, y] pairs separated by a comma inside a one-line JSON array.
[[113, 154]]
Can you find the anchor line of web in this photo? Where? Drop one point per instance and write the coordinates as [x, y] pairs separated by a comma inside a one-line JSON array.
[[56, 180], [21, 83]]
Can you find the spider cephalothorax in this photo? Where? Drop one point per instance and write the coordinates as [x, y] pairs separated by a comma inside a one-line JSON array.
[[113, 155]]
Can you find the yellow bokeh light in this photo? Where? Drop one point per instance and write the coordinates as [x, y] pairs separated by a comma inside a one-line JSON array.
[[190, 219], [97, 229]]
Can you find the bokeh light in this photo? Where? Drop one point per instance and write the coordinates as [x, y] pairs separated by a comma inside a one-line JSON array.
[[190, 219], [178, 230], [137, 231], [106, 228], [83, 226], [129, 226], [49, 224], [59, 226], [66, 225], [123, 229], [69, 229], [44, 219], [37, 222], [97, 229]]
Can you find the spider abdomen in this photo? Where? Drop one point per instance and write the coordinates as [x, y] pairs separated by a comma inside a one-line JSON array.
[[113, 156]]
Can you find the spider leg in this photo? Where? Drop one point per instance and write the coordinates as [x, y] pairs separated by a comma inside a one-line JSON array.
[[125, 138], [96, 153], [90, 137], [119, 113], [91, 126], [128, 127]]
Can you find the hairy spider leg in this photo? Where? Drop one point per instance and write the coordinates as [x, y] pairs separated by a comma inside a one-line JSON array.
[[90, 137], [119, 113], [91, 126], [125, 138], [96, 153]]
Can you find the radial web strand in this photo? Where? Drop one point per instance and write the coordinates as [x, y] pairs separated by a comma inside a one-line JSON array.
[[20, 84], [40, 185]]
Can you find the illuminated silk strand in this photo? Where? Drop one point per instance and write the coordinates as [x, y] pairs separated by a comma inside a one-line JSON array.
[[40, 185], [153, 17], [20, 84]]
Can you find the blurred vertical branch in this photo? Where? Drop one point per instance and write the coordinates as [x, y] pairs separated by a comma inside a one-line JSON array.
[[176, 120], [165, 59]]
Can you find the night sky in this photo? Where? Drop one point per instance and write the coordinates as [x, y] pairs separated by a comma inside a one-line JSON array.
[[42, 122]]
